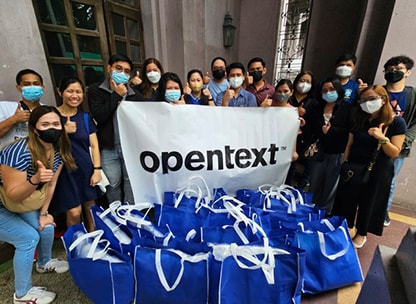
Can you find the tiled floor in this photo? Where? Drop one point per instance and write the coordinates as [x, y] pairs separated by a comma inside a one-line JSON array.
[[401, 220]]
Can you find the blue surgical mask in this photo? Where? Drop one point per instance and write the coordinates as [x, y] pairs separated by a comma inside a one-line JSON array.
[[331, 96], [32, 93], [172, 95], [120, 77]]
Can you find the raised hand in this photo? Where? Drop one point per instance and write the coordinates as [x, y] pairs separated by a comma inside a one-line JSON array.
[[70, 126], [207, 78], [21, 115], [43, 175]]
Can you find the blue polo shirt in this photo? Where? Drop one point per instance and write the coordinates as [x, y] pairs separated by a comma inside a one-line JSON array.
[[244, 99]]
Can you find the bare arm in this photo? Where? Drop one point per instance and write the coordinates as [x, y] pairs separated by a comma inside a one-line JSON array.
[[96, 159]]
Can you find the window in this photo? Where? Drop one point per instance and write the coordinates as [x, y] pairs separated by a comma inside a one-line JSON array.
[[80, 35]]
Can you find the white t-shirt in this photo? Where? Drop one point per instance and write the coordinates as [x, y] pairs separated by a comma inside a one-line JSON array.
[[7, 109]]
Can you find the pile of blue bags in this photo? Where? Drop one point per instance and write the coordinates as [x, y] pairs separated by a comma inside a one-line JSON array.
[[266, 245]]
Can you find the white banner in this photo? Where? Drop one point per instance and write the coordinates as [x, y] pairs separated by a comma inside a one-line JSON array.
[[165, 145]]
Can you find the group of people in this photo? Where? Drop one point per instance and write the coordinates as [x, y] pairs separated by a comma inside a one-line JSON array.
[[65, 149]]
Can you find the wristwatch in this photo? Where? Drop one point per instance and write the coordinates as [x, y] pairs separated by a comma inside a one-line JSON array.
[[384, 141]]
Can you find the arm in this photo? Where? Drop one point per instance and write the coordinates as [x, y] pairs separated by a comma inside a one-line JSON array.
[[15, 182], [96, 160], [45, 218], [348, 146], [411, 120], [19, 116], [391, 147]]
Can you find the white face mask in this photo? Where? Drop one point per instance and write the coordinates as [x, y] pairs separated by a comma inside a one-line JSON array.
[[153, 76], [304, 87], [371, 106], [343, 71], [236, 82]]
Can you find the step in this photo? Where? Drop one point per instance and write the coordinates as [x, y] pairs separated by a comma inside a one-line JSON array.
[[383, 283], [406, 262]]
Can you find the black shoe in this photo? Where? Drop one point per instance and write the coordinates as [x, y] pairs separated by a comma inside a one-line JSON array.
[[387, 220]]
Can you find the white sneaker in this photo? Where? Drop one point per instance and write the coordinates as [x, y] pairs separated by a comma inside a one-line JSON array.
[[36, 295], [54, 265]]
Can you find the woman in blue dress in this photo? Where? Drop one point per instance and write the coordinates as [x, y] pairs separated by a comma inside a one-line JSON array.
[[77, 188]]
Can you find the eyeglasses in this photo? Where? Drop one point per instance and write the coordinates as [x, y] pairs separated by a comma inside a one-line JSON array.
[[370, 98]]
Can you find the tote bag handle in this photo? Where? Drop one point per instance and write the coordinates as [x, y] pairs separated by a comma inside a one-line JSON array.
[[194, 188], [184, 257], [321, 237], [92, 251]]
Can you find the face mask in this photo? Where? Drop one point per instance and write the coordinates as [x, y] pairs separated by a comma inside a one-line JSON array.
[[257, 75], [32, 93], [330, 96], [394, 76], [280, 97], [235, 82], [218, 74], [371, 106], [172, 95], [343, 71], [50, 135], [153, 77], [196, 87], [304, 87], [120, 77]]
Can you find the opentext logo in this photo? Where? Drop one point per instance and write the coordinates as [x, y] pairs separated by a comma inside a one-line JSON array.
[[196, 160]]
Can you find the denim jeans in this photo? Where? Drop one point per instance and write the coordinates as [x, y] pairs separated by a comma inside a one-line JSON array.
[[398, 164], [21, 231], [114, 168]]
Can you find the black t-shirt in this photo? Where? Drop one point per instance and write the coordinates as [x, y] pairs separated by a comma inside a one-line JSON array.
[[364, 145]]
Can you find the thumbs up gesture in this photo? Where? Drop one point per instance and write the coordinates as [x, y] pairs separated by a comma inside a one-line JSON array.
[[207, 78], [43, 175], [70, 126], [21, 115], [361, 85]]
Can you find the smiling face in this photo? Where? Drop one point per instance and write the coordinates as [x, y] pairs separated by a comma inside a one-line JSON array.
[[73, 95]]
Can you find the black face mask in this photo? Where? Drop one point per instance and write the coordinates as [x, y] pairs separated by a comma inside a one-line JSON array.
[[393, 76], [50, 136], [257, 75], [218, 74]]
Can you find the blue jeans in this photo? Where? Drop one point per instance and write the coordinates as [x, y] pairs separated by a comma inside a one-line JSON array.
[[114, 168], [398, 164], [21, 231]]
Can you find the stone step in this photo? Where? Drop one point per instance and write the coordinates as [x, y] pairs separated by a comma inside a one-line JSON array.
[[383, 283], [406, 262]]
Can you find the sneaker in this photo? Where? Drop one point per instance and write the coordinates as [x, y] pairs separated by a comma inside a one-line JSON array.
[[387, 220], [54, 265], [35, 295]]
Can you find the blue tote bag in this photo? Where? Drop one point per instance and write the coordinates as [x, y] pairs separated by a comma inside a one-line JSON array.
[[102, 274], [331, 260], [169, 276], [257, 274]]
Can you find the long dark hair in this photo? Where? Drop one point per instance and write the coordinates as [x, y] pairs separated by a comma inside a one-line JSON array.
[[35, 146]]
